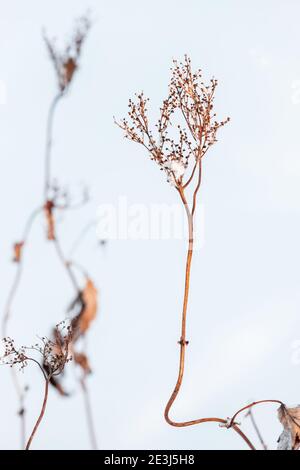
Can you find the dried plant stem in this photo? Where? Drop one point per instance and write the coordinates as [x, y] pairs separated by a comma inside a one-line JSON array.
[[50, 121], [18, 274], [42, 412], [183, 341], [66, 264], [89, 413], [250, 406], [256, 428], [81, 236]]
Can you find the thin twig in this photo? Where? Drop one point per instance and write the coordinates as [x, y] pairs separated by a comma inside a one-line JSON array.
[[19, 271], [256, 428], [66, 265], [49, 128], [89, 413], [81, 235]]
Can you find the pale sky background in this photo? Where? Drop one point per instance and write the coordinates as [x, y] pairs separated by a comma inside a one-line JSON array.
[[244, 307]]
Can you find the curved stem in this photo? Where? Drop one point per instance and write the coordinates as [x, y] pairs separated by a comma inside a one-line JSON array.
[[183, 342], [250, 406], [19, 271], [43, 409]]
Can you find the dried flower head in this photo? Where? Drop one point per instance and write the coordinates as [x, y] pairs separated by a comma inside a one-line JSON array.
[[12, 355], [55, 353], [66, 62], [188, 109]]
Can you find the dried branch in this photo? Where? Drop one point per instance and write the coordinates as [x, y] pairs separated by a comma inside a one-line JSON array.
[[190, 101]]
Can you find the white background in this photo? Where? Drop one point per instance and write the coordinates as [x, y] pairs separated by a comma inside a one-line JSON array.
[[244, 304]]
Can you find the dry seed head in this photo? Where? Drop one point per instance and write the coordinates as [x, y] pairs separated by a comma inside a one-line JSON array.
[[66, 62], [55, 353], [188, 109]]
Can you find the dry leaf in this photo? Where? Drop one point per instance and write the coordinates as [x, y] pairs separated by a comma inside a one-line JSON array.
[[89, 305], [82, 360], [50, 220], [69, 68], [289, 439], [18, 251]]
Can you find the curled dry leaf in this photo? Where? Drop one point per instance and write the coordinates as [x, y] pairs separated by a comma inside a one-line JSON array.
[[289, 439], [82, 360], [50, 220], [88, 309], [87, 303], [18, 251]]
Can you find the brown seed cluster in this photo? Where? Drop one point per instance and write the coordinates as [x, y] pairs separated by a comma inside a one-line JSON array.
[[186, 127], [55, 352]]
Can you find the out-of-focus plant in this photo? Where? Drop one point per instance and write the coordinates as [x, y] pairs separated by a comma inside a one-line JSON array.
[[55, 200], [55, 355]]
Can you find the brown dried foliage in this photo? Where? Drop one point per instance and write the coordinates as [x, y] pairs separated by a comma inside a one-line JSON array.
[[88, 309], [290, 420]]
